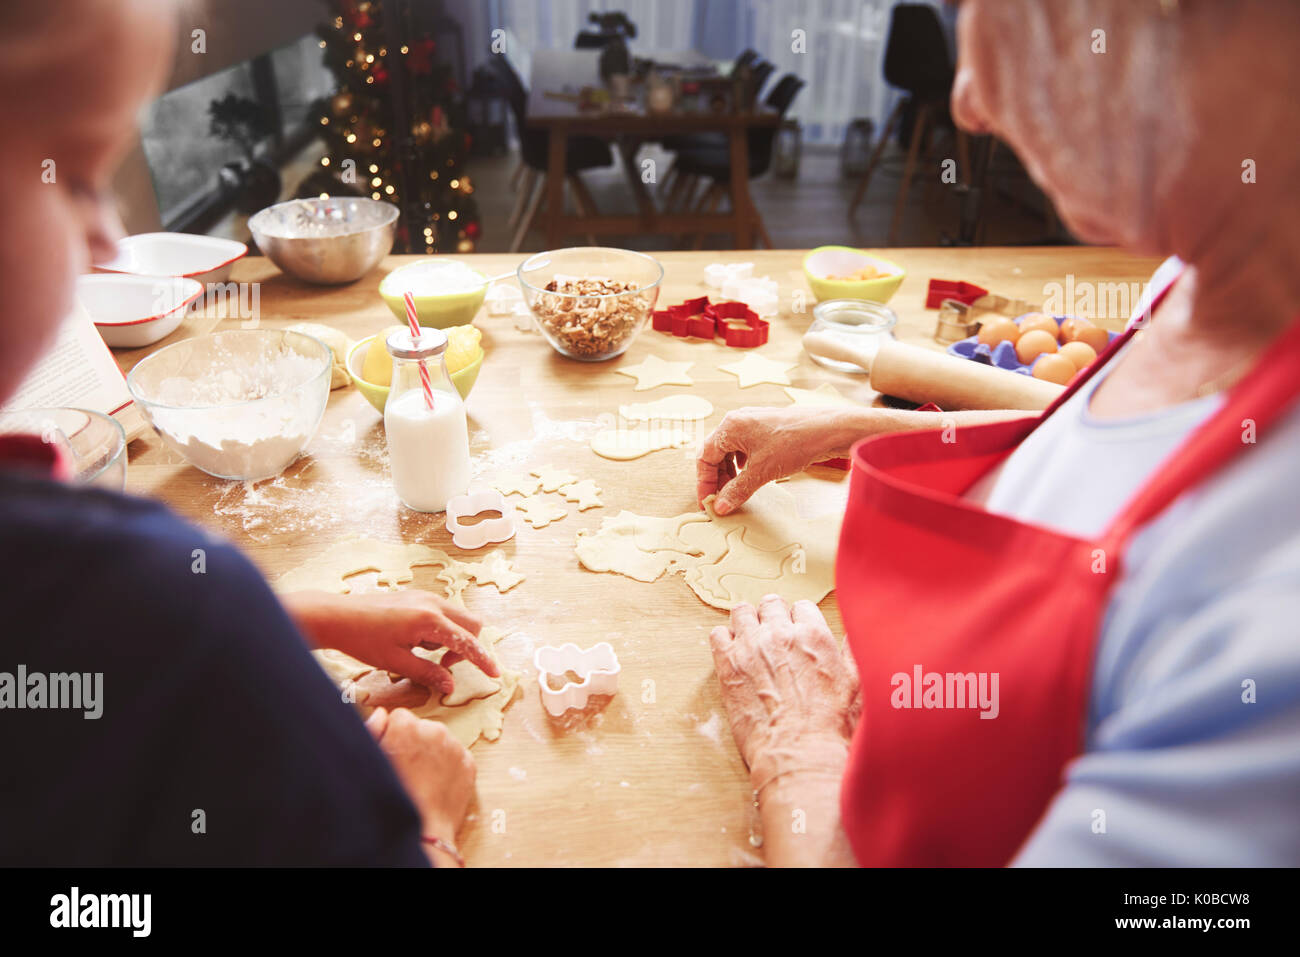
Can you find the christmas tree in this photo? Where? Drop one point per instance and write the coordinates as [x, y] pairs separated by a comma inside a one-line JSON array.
[[395, 129]]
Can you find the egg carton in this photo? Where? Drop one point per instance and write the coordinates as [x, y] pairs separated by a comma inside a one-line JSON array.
[[1003, 355]]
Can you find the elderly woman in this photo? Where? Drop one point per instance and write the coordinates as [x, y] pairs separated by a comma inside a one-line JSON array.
[[1114, 677]]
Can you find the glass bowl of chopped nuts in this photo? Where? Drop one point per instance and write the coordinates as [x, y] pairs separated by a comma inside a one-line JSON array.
[[590, 301]]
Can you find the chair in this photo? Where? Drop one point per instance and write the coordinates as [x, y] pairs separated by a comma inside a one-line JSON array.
[[582, 153], [587, 40], [917, 62], [745, 59], [760, 71], [714, 162]]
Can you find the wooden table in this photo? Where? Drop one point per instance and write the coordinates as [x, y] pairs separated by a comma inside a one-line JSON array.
[[655, 779], [567, 71]]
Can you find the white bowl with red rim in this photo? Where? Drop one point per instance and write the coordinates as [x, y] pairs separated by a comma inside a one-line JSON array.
[[135, 311], [205, 258]]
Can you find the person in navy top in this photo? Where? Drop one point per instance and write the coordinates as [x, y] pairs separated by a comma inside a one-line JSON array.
[[196, 728]]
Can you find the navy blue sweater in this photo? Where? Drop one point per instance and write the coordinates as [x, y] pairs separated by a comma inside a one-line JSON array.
[[215, 717]]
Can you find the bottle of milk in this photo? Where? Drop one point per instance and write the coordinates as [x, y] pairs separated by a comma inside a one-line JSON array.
[[428, 448]]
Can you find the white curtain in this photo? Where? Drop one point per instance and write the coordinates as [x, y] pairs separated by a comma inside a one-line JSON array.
[[841, 63]]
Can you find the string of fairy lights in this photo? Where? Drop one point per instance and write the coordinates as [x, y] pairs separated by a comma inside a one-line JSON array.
[[347, 124]]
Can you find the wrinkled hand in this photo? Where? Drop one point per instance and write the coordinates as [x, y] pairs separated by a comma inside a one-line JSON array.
[[765, 445], [384, 628], [436, 770], [790, 693]]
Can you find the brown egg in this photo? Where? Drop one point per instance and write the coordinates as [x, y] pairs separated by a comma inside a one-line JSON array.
[[1039, 320], [998, 329], [1095, 336], [1055, 368], [1034, 343], [1069, 327], [1080, 353]]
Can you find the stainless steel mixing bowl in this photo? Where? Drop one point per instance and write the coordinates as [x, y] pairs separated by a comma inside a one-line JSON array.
[[333, 240]]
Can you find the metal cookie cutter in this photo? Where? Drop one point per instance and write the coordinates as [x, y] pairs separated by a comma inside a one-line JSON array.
[[487, 532], [597, 667]]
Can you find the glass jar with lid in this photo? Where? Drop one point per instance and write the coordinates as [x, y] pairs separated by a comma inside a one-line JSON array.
[[857, 322]]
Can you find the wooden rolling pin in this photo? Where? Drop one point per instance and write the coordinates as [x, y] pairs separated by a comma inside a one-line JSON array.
[[923, 375]]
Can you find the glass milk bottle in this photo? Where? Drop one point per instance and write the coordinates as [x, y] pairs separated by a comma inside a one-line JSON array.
[[428, 448]]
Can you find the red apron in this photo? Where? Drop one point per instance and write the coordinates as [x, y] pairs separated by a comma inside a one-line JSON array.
[[930, 583]]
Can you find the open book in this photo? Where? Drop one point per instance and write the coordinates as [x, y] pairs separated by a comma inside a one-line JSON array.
[[80, 372]]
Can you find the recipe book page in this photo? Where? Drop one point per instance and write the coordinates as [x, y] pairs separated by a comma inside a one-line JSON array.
[[80, 372]]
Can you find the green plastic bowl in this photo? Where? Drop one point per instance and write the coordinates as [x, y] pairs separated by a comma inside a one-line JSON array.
[[377, 395], [437, 310], [838, 260]]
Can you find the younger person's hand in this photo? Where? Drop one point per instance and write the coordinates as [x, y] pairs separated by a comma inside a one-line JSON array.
[[383, 629], [437, 771]]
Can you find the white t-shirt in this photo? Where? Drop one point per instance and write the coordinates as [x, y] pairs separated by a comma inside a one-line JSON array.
[[1192, 743]]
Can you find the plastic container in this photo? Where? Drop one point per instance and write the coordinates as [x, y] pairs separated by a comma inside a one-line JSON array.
[[1003, 355]]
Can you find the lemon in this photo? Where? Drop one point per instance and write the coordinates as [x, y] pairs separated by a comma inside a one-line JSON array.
[[462, 349], [378, 365], [462, 346]]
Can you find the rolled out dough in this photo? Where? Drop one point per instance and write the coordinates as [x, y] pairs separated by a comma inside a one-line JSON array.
[[654, 372], [671, 408], [586, 493], [539, 511], [766, 547], [624, 444]]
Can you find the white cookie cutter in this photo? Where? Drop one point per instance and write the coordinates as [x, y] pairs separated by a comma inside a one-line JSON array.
[[597, 666], [487, 532]]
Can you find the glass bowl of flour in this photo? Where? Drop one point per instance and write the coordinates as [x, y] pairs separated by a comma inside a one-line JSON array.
[[239, 405]]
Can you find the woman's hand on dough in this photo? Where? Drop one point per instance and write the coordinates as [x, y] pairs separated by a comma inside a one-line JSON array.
[[789, 690], [384, 628], [752, 447], [436, 770]]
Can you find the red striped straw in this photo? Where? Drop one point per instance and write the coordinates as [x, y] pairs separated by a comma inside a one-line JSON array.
[[414, 322]]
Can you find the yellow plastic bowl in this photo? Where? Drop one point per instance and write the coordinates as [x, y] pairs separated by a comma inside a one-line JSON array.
[[377, 395], [440, 310], [840, 260]]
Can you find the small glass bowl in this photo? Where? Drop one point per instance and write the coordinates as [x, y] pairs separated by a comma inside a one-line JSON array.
[[93, 441], [591, 327], [855, 321]]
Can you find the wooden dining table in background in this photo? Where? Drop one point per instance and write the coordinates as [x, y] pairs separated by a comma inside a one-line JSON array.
[[557, 78], [654, 778]]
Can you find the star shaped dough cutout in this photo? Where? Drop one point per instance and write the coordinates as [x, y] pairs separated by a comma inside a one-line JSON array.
[[654, 372], [552, 478], [540, 512], [498, 570], [754, 369], [512, 483], [585, 493], [824, 394]]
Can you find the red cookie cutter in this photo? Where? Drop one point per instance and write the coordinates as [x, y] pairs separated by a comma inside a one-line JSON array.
[[688, 319], [739, 326], [941, 289]]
